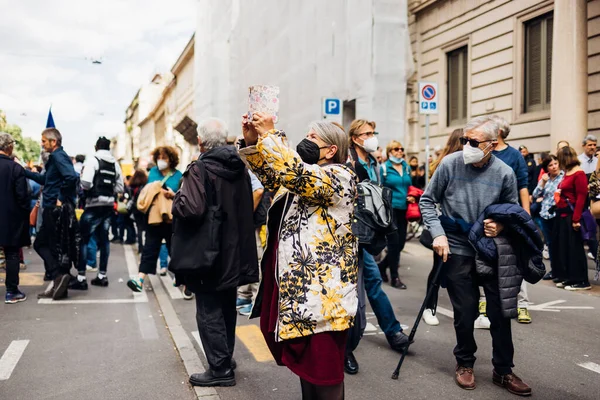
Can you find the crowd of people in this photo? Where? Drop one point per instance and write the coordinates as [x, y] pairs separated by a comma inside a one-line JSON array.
[[262, 211]]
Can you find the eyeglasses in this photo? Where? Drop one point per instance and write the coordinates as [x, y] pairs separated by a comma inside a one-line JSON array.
[[372, 133], [398, 149], [472, 142]]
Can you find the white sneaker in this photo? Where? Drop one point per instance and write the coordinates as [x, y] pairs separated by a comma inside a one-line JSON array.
[[591, 256], [429, 318], [91, 269], [162, 272], [546, 253], [482, 322]]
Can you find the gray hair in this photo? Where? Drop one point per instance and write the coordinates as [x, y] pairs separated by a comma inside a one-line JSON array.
[[53, 134], [590, 138], [503, 126], [6, 140], [45, 156], [213, 133], [333, 135], [485, 124]]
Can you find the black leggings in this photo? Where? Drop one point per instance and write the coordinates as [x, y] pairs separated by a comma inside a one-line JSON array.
[[11, 255], [396, 243], [154, 237]]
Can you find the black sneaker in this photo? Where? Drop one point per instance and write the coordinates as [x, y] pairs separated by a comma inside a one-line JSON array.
[[97, 281], [75, 284], [398, 341], [578, 286]]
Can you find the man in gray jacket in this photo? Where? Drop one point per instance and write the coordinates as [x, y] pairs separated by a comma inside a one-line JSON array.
[[464, 184], [101, 180]]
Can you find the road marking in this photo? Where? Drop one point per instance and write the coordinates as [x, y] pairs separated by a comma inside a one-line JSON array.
[[591, 366], [11, 357], [550, 306], [28, 278], [445, 311], [146, 321], [254, 341], [370, 327], [185, 347]]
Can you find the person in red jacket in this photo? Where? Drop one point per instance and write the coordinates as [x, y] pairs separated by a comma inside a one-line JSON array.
[[569, 262]]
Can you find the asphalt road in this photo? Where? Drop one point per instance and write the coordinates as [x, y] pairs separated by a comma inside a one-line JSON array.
[[109, 344]]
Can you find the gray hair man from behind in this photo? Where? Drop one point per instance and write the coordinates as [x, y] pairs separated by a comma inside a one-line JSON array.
[[212, 132], [6, 142]]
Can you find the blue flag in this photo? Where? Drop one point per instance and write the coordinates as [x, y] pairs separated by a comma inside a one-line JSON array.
[[50, 122]]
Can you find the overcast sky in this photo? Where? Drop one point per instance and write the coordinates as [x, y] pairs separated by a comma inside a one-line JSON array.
[[43, 54]]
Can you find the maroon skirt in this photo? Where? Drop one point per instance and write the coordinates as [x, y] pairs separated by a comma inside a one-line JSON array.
[[318, 358]]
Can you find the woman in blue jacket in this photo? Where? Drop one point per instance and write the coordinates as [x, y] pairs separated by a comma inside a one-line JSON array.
[[395, 174]]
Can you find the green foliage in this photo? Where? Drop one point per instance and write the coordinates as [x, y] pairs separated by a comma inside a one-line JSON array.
[[26, 149]]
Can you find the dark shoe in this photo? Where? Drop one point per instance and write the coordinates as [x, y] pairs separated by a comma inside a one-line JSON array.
[[103, 282], [350, 364], [61, 284], [557, 280], [47, 277], [512, 383], [465, 378], [213, 378], [48, 294], [13, 298], [75, 284], [383, 272], [548, 276], [398, 341], [397, 283], [233, 364]]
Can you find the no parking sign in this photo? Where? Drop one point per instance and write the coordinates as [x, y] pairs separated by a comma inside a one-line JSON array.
[[428, 98]]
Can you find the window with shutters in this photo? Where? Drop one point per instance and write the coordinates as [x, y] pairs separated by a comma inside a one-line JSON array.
[[457, 86], [538, 63]]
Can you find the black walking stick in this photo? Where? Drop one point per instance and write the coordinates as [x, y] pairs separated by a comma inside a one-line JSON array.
[[435, 283]]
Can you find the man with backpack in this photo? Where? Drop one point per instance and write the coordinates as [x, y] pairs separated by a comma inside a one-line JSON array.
[[363, 140], [102, 180]]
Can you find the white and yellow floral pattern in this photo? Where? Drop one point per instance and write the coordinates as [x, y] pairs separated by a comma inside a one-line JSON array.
[[318, 254]]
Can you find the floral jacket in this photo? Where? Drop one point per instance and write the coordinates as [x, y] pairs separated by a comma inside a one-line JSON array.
[[317, 258]]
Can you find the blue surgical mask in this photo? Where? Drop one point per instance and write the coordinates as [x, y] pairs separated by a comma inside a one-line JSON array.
[[395, 160]]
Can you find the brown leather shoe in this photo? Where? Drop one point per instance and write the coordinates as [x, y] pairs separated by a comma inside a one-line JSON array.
[[512, 383], [465, 377]]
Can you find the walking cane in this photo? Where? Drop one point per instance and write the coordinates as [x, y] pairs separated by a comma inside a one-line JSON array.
[[434, 285]]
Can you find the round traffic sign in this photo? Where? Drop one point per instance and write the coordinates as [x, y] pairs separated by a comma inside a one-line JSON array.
[[428, 92]]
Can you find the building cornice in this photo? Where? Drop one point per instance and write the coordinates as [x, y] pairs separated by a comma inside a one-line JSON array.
[[420, 5]]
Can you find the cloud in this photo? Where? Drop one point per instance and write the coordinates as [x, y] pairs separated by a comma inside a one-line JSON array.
[[47, 60]]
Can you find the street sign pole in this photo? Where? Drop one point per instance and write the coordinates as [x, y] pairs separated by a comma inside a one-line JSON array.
[[426, 149]]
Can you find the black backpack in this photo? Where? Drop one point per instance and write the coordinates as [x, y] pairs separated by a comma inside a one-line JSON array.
[[105, 180]]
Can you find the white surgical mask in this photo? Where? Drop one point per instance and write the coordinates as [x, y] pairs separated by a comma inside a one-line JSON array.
[[371, 144], [473, 155], [162, 165]]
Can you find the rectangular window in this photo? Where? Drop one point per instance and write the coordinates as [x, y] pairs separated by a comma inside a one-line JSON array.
[[538, 63], [457, 86]]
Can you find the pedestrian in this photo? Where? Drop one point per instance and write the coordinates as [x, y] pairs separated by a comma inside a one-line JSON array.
[[568, 258], [102, 181], [136, 184], [464, 185], [417, 173], [155, 201], [362, 138], [59, 181], [14, 217], [531, 168], [309, 296], [514, 159], [219, 181], [545, 190], [395, 174], [588, 158], [247, 293], [453, 145]]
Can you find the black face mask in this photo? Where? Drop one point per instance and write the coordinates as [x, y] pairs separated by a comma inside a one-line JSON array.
[[414, 167], [309, 151]]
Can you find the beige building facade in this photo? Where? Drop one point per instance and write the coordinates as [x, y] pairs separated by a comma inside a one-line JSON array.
[[536, 63], [161, 114]]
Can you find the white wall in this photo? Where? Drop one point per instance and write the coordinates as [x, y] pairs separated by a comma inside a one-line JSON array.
[[351, 49]]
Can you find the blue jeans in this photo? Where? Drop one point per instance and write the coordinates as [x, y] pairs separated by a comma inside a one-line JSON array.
[[377, 298], [163, 256], [92, 249], [95, 221]]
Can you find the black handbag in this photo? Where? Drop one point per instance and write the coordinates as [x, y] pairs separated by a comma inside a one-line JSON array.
[[196, 245]]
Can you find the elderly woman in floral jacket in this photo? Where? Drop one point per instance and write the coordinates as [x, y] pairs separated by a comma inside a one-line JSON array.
[[308, 296]]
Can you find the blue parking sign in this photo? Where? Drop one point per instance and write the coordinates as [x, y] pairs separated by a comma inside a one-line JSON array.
[[432, 105], [424, 105]]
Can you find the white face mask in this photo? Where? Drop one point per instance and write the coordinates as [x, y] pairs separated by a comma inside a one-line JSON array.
[[162, 165], [371, 144], [473, 155]]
